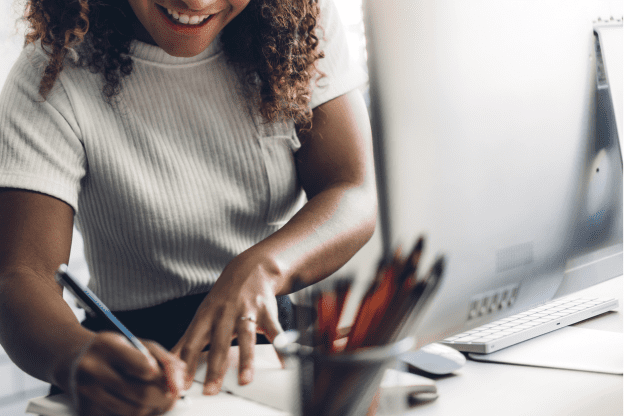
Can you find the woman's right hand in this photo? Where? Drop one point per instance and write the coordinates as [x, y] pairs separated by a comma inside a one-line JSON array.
[[112, 377]]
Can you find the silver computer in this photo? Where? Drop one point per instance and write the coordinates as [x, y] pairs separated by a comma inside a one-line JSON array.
[[489, 140]]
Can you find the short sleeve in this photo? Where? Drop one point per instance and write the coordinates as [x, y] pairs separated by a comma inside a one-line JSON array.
[[342, 74], [40, 149]]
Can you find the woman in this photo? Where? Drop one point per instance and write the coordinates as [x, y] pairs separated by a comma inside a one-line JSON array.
[[180, 135]]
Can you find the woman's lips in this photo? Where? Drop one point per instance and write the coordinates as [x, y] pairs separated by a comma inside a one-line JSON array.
[[183, 22]]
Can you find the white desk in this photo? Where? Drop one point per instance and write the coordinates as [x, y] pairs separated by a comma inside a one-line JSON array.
[[485, 389], [501, 389]]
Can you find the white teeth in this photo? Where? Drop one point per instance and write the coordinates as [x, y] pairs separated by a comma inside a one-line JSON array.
[[186, 19]]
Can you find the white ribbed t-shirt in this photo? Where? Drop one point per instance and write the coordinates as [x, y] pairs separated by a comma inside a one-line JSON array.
[[176, 178]]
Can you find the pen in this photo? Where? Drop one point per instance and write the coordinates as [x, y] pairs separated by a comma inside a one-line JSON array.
[[419, 298], [94, 306]]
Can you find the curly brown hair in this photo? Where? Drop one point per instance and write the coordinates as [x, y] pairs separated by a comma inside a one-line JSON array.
[[273, 44]]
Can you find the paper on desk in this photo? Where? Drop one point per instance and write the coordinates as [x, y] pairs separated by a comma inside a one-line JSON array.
[[272, 393], [249, 401], [223, 404], [272, 385], [569, 348], [194, 404], [277, 387], [58, 405]]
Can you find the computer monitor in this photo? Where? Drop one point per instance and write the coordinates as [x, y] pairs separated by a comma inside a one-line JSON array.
[[489, 140]]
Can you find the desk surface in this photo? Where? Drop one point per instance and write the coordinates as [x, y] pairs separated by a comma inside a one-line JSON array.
[[503, 389], [481, 388]]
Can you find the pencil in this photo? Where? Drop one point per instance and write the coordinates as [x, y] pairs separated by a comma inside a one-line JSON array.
[[418, 299]]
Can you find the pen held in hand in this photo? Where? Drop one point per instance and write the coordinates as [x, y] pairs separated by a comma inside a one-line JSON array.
[[94, 306]]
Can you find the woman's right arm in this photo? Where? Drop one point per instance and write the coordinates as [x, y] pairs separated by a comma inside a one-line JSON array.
[[37, 328], [40, 332]]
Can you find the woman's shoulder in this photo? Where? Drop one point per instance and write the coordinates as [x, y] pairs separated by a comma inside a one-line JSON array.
[[32, 61], [25, 77]]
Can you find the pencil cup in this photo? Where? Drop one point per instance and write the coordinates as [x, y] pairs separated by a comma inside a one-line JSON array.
[[342, 384]]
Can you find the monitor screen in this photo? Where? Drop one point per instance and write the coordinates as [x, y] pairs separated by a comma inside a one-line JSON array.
[[488, 141]]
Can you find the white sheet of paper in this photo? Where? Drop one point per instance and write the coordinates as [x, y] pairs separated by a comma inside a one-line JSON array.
[[569, 348], [272, 385], [194, 404], [272, 393]]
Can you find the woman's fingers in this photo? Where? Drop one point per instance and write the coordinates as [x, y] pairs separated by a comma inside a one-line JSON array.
[[111, 375], [246, 329], [123, 356], [92, 374], [104, 402], [272, 329], [221, 340], [230, 310], [186, 351], [173, 367], [189, 348], [269, 324]]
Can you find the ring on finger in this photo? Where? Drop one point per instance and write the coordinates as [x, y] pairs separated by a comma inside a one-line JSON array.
[[249, 318]]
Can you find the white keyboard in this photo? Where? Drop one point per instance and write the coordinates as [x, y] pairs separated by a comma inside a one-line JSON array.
[[545, 318]]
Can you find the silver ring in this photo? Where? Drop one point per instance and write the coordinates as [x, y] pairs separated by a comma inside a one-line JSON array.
[[249, 318]]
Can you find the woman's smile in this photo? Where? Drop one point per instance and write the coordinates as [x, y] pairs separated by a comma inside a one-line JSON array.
[[185, 18], [184, 27]]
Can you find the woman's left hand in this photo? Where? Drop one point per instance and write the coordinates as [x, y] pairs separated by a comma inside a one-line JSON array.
[[240, 304]]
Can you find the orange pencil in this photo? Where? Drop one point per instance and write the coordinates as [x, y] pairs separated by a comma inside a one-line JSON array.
[[372, 303], [362, 320], [400, 282], [381, 302]]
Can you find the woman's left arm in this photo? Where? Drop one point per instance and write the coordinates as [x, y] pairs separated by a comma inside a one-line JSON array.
[[335, 167]]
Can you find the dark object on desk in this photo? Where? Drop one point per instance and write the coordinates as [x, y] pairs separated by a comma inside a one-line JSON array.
[[420, 398]]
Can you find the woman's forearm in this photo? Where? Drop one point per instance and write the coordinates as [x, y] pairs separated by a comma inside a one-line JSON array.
[[38, 330], [322, 236], [335, 167]]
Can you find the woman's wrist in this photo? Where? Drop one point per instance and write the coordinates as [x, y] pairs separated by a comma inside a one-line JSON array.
[[267, 266], [67, 357]]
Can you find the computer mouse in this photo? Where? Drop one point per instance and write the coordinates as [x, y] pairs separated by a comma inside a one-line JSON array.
[[435, 359]]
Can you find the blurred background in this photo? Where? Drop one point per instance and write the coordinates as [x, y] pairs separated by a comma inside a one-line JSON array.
[[16, 387]]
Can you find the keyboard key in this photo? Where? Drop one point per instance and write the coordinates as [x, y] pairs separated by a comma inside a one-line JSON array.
[[468, 339]]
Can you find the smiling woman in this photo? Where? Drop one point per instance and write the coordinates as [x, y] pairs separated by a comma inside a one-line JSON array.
[[183, 29], [185, 19], [274, 43], [211, 169]]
